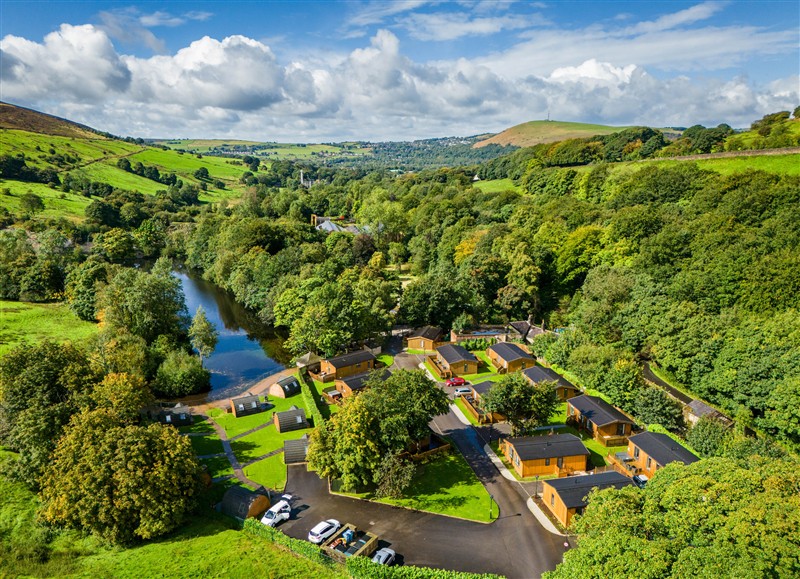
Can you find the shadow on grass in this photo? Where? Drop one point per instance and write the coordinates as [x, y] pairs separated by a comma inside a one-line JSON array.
[[243, 450]]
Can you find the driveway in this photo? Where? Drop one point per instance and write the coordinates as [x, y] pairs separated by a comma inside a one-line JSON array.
[[514, 545]]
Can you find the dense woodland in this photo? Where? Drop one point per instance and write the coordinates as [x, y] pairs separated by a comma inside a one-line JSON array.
[[693, 271]]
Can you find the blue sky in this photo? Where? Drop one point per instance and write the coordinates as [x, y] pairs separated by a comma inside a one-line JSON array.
[[326, 71]]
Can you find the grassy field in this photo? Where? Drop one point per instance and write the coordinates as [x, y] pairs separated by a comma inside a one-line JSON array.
[[56, 203], [263, 441], [497, 186], [209, 545], [270, 472], [22, 322], [446, 486], [269, 150], [218, 466], [535, 132]]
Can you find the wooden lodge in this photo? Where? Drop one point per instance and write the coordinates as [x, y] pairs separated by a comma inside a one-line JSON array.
[[346, 365], [555, 454], [650, 451], [566, 497], [607, 425], [354, 384], [453, 360], [285, 387], [426, 339], [564, 389], [508, 357]]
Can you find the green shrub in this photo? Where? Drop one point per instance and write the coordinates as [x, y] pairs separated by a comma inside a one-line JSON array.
[[310, 399], [364, 568], [181, 374], [308, 550]]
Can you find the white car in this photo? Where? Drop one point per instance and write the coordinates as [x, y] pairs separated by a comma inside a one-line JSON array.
[[461, 390], [277, 513], [323, 530], [384, 556]]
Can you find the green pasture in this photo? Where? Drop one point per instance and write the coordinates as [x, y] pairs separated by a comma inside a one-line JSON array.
[[56, 203], [22, 322], [497, 186], [235, 426]]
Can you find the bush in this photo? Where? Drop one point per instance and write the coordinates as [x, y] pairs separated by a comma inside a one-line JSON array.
[[308, 550], [364, 568], [181, 374], [309, 398]]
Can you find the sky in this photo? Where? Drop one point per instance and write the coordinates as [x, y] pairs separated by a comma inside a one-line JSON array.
[[330, 71]]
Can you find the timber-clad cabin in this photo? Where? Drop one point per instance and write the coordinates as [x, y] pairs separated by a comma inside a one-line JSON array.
[[347, 365], [454, 360], [556, 454], [242, 503], [508, 357], [650, 451], [426, 339], [354, 384], [606, 424], [566, 497], [564, 389], [246, 405]]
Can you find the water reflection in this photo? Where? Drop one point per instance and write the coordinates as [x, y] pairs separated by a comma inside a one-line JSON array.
[[247, 351]]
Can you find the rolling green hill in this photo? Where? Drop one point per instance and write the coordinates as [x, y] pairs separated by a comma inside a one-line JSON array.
[[535, 132], [66, 149]]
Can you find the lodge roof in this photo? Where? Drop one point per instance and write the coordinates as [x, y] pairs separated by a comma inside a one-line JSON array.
[[538, 374], [344, 360], [662, 449], [548, 446], [509, 351], [598, 410], [573, 489], [453, 353]]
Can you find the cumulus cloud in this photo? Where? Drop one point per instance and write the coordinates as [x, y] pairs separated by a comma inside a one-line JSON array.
[[237, 87]]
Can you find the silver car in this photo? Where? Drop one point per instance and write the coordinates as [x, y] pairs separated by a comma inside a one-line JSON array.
[[384, 556]]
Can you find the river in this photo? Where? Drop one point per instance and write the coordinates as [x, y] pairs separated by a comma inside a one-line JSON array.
[[247, 351]]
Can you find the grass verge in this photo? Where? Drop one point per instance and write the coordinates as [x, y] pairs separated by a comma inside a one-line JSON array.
[[203, 445], [466, 412]]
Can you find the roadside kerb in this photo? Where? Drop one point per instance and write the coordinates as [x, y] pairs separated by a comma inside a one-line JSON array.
[[542, 518]]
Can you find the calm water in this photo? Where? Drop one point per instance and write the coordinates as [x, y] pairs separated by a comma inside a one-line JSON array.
[[247, 350]]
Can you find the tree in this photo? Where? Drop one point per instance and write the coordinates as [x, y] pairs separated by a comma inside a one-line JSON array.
[[123, 394], [81, 287], [201, 173], [123, 483], [784, 409], [394, 476], [654, 406], [203, 334], [713, 518], [524, 404], [623, 384], [708, 436], [181, 374], [31, 203], [41, 387], [357, 443]]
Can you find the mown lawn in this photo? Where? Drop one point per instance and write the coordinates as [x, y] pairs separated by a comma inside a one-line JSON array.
[[203, 445], [386, 359], [218, 466], [262, 441], [326, 409], [22, 322], [235, 426], [446, 486], [270, 472], [200, 424]]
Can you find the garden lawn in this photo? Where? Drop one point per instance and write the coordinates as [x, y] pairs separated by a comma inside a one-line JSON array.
[[235, 426], [203, 445], [484, 357], [446, 486], [463, 408], [270, 472], [326, 409], [263, 441], [218, 466], [386, 359], [560, 417], [200, 424], [22, 322], [597, 450]]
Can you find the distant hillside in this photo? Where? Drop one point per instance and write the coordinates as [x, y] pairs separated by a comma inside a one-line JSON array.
[[536, 132], [22, 119]]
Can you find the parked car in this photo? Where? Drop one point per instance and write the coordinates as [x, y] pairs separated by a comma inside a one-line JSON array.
[[455, 381], [461, 390], [323, 530], [640, 480], [384, 556], [279, 512]]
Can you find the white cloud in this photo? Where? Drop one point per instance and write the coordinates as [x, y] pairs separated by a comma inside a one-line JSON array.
[[237, 87], [690, 15], [451, 25]]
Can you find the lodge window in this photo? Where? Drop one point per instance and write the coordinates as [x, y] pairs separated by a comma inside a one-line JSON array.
[[636, 452], [547, 462], [552, 499], [560, 462], [620, 429], [649, 462], [516, 460], [465, 368]]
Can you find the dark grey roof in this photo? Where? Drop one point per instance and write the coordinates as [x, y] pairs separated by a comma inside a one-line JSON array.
[[290, 385], [292, 419], [453, 353], [483, 387], [574, 489], [428, 332], [509, 351], [237, 500], [521, 327], [598, 410], [351, 358], [548, 446], [700, 408], [538, 374], [295, 450], [357, 381], [247, 402], [662, 449]]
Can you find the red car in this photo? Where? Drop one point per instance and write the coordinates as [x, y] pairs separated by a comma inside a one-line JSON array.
[[455, 381]]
